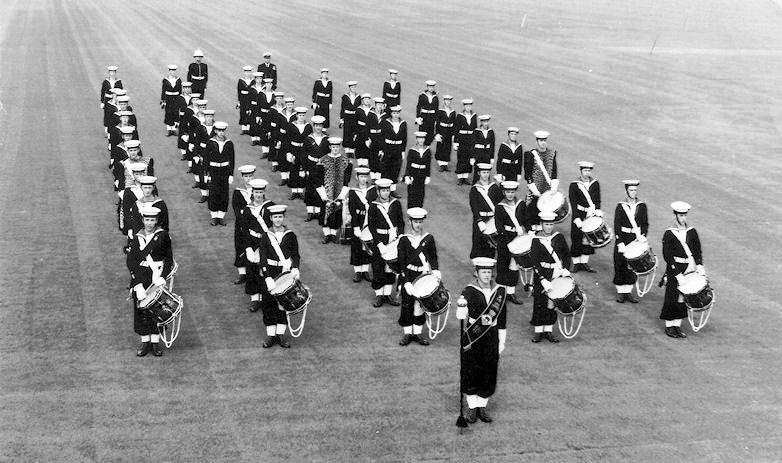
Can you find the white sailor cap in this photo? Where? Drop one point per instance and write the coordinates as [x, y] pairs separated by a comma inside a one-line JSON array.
[[335, 141], [258, 184], [247, 68], [267, 54], [324, 69], [484, 117], [208, 112], [483, 262], [268, 80], [119, 91], [431, 83], [198, 53], [194, 97], [586, 164], [499, 178], [147, 180], [362, 170], [290, 99], [447, 97], [138, 167], [258, 74], [278, 93], [467, 101], [247, 169], [366, 95], [541, 134], [379, 99], [124, 112], [510, 185], [547, 216], [301, 110], [277, 209], [393, 71], [513, 129], [631, 182], [383, 183], [419, 134], [149, 211], [172, 67], [416, 213], [318, 119], [112, 68], [680, 207], [127, 129], [202, 102], [133, 144], [187, 84], [123, 99], [221, 125], [351, 83], [483, 166], [396, 109]]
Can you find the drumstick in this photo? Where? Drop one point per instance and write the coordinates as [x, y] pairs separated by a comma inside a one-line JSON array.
[[461, 421]]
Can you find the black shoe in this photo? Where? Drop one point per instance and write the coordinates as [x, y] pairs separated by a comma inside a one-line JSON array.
[[670, 331], [471, 416], [195, 186], [203, 199], [183, 158], [550, 337], [270, 341], [515, 300], [537, 338], [406, 339], [442, 168], [587, 268], [379, 300], [282, 342], [325, 239], [213, 222], [357, 277], [366, 277], [242, 279], [292, 196], [189, 170], [255, 306], [274, 168], [576, 268], [420, 340], [527, 288], [220, 221], [679, 333], [621, 298], [156, 351], [263, 155], [484, 415], [283, 182], [631, 298], [143, 349], [391, 301], [309, 217]]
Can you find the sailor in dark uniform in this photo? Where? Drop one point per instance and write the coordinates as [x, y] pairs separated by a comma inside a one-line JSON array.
[[540, 172], [631, 222], [552, 259], [418, 170], [347, 117], [254, 220], [323, 96], [385, 223], [256, 99], [298, 131], [374, 119], [510, 156], [585, 201], [444, 131], [482, 143], [219, 160], [243, 99], [511, 220], [269, 69], [466, 123], [242, 196], [198, 73], [170, 91], [316, 146], [149, 198], [481, 307], [426, 111], [109, 83], [482, 208], [358, 204], [392, 91], [683, 255], [393, 133], [362, 130]]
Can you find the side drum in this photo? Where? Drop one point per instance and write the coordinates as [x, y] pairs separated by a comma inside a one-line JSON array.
[[640, 257], [520, 248], [566, 295], [596, 231], [554, 201], [431, 293], [291, 293], [696, 291], [162, 304]]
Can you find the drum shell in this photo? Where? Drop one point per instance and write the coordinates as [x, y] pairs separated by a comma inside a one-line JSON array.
[[164, 305], [596, 231], [290, 293], [554, 202], [520, 249], [696, 291], [640, 262], [570, 302], [437, 298]]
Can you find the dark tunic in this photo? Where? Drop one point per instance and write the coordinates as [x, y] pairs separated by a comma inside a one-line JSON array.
[[347, 113], [677, 263], [358, 203], [269, 72], [323, 98], [158, 246], [362, 132], [465, 125], [243, 100], [199, 139], [169, 94], [579, 205], [482, 145], [479, 363], [482, 210], [508, 231], [382, 231], [220, 156], [533, 174], [198, 74], [314, 149], [105, 89], [445, 128], [509, 161], [272, 265], [411, 267], [375, 138], [544, 269], [108, 113], [419, 166], [426, 109], [624, 234], [186, 118], [254, 222], [392, 95], [394, 144], [239, 200], [297, 140]]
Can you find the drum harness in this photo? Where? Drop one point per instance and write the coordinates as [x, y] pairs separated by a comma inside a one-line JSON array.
[[587, 196]]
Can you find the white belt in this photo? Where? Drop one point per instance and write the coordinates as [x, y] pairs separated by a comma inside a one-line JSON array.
[[254, 102], [477, 145], [393, 142], [486, 214], [296, 143], [349, 112], [681, 260], [581, 208], [428, 111], [313, 159], [172, 93], [417, 166], [219, 164], [374, 130], [392, 95], [274, 124], [362, 123], [383, 231], [465, 132], [508, 161], [254, 234], [197, 77], [548, 265], [626, 230], [244, 92], [416, 268], [323, 94], [443, 124]]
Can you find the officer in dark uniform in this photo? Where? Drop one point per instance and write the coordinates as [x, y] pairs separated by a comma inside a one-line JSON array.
[[198, 73], [323, 96], [269, 69], [426, 111]]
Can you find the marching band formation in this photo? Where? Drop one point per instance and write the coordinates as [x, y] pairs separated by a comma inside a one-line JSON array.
[[514, 241]]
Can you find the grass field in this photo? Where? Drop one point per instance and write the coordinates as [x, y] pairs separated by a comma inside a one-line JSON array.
[[682, 94]]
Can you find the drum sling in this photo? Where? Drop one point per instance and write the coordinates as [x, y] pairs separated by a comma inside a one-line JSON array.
[[631, 217], [285, 262], [486, 320], [391, 227], [541, 166], [587, 196]]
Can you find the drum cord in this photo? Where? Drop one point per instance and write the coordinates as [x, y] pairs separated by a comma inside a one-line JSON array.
[[562, 323], [704, 317], [441, 322], [296, 332], [648, 280]]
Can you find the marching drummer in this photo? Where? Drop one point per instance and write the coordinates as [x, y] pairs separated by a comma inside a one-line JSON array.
[[254, 220], [358, 203], [631, 223], [682, 253], [584, 196], [242, 196], [279, 253], [482, 208], [149, 260], [540, 172], [552, 259], [385, 222], [511, 222], [417, 255], [481, 308]]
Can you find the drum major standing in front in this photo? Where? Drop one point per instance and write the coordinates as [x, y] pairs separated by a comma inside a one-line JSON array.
[[551, 257], [584, 196], [682, 254], [332, 177], [631, 223]]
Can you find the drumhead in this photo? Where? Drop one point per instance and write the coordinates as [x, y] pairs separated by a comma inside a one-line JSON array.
[[561, 287], [366, 235], [282, 283], [692, 283], [153, 294], [425, 285], [391, 251], [520, 245], [591, 224], [491, 227], [636, 249], [550, 202]]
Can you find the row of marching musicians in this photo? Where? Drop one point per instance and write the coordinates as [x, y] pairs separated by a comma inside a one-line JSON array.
[[142, 218], [502, 226]]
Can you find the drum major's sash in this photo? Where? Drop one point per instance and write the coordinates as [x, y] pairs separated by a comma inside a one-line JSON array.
[[477, 329]]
